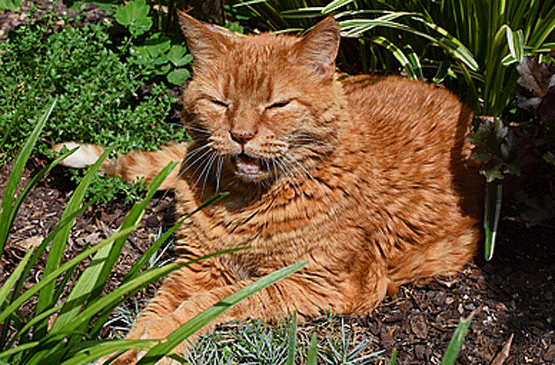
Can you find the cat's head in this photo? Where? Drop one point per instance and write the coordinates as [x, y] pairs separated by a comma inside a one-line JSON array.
[[261, 106]]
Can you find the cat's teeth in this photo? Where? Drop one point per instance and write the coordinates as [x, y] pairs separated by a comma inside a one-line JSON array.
[[247, 166]]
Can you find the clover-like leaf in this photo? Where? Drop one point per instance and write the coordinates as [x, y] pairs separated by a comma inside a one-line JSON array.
[[178, 56], [140, 26], [176, 77], [158, 46], [135, 15]]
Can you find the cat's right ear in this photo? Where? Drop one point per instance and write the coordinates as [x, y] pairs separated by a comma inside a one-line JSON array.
[[318, 49], [204, 44]]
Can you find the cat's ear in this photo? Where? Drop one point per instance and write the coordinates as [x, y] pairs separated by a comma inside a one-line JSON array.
[[204, 44], [318, 49]]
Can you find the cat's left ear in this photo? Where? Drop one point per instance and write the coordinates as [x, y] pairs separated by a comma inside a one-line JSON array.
[[204, 44], [318, 49]]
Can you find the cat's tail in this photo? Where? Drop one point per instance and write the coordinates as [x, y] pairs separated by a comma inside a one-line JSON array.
[[130, 167]]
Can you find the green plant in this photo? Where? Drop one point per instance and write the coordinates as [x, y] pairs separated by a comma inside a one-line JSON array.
[[254, 342], [71, 336], [102, 97], [157, 56], [11, 5]]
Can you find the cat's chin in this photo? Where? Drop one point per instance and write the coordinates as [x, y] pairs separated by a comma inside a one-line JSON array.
[[250, 169]]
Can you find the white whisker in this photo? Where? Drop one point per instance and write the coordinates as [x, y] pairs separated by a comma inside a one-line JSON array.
[[219, 167], [290, 176], [292, 159]]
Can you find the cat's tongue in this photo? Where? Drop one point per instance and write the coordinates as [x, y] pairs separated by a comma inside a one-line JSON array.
[[247, 165]]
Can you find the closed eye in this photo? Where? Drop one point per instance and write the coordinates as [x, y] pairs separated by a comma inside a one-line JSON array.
[[219, 102], [279, 104]]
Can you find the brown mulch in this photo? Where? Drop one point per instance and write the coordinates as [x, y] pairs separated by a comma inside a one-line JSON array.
[[511, 297]]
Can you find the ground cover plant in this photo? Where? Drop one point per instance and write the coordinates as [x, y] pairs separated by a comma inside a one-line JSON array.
[[108, 93], [377, 51]]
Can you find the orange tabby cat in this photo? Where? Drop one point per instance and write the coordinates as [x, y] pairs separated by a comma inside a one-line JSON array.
[[369, 180]]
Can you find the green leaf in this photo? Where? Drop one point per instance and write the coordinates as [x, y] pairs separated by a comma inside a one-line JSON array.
[[157, 46], [7, 210], [393, 360], [135, 9], [140, 26], [135, 15], [442, 72], [60, 240], [152, 249], [292, 341], [11, 5], [178, 76], [177, 55], [202, 319], [87, 352], [409, 63], [492, 213], [450, 356], [8, 285], [312, 358], [334, 5], [54, 275], [515, 39]]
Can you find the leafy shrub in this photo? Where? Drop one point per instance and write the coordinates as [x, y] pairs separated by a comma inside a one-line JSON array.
[[100, 97]]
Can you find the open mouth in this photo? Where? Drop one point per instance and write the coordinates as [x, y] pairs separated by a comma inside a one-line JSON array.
[[250, 168]]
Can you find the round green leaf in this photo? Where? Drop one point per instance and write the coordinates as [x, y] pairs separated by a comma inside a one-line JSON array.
[[140, 26], [178, 76]]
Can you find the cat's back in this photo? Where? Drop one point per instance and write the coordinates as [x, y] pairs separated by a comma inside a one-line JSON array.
[[406, 108], [405, 122], [411, 148]]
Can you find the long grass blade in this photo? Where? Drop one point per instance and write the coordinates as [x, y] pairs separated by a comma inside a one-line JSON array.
[[54, 275], [179, 335], [89, 351], [334, 5], [292, 341], [492, 211], [312, 357], [14, 276], [7, 211], [57, 248], [97, 273], [450, 356], [413, 71], [150, 251], [393, 360]]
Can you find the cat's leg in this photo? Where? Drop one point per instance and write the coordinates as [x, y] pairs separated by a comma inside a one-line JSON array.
[[177, 288], [307, 293], [435, 259], [130, 167]]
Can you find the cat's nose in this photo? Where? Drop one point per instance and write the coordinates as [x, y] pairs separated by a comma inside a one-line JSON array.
[[241, 135]]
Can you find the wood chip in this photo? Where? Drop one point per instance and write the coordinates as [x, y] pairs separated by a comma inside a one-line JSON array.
[[504, 353]]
